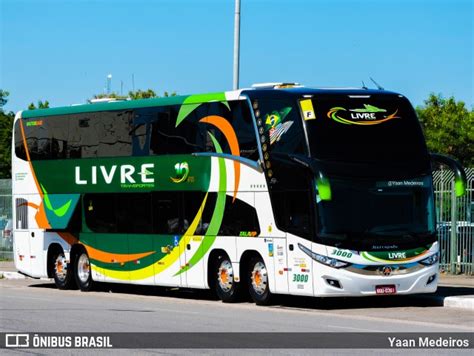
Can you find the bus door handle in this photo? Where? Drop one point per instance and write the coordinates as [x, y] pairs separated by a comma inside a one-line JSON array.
[[188, 246], [290, 247]]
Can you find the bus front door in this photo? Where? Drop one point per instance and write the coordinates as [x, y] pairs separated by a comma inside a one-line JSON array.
[[300, 276]]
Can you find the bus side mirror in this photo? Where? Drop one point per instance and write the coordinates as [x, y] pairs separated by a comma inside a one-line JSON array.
[[460, 180]]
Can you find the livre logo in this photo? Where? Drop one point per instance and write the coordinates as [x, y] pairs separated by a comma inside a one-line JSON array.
[[368, 115], [127, 173]]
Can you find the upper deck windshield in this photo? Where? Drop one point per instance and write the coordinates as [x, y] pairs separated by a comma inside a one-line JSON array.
[[366, 129]]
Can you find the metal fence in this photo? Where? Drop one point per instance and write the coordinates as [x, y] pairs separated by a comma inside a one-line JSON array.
[[6, 241], [455, 218]]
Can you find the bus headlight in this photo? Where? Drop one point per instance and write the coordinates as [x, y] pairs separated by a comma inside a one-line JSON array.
[[331, 262], [430, 260]]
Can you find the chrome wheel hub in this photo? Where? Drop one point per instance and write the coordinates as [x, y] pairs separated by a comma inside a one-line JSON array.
[[259, 278], [83, 268], [225, 276], [60, 267]]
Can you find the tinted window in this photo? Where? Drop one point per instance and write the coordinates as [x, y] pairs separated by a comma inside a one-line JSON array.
[[19, 146], [166, 138], [101, 134], [191, 205], [137, 213], [89, 135], [137, 132], [239, 116], [291, 192], [282, 126], [240, 219], [166, 213], [134, 213], [38, 138], [377, 128], [100, 212], [191, 135], [245, 129]]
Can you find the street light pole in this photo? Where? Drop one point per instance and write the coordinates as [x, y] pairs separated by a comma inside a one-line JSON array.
[[236, 44], [109, 83]]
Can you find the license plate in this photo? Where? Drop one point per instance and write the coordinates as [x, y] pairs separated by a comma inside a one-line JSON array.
[[388, 289]]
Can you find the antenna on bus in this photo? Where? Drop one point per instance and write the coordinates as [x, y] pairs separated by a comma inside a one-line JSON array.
[[379, 87], [364, 86]]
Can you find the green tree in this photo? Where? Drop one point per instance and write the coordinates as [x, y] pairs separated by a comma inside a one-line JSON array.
[[41, 105], [135, 95], [146, 94], [449, 127], [6, 123], [3, 98], [142, 94]]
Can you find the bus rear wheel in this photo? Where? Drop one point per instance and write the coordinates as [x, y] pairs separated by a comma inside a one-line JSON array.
[[258, 281], [62, 271], [226, 288], [83, 272]]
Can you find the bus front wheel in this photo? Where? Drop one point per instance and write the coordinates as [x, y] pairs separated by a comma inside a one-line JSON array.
[[258, 281], [83, 272]]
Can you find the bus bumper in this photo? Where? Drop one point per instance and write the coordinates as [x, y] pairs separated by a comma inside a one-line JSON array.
[[340, 282]]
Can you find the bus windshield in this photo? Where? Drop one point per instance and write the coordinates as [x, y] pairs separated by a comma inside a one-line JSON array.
[[397, 211], [380, 129]]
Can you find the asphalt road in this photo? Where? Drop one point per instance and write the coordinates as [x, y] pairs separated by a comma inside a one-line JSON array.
[[37, 306]]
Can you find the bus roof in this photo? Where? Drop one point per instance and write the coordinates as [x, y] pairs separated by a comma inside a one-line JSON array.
[[193, 99]]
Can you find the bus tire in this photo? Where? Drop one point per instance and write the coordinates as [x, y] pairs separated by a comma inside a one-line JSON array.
[[83, 271], [257, 280], [63, 272], [225, 286]]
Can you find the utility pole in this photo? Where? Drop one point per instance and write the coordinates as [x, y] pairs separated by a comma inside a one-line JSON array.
[[236, 44]]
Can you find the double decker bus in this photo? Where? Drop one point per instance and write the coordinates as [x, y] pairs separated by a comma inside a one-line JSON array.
[[278, 189]]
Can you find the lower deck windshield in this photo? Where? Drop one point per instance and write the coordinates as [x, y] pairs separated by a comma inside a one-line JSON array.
[[373, 213]]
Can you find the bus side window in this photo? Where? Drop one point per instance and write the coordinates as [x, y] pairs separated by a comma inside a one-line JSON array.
[[100, 212], [240, 219], [169, 139], [59, 131], [38, 139], [283, 126], [134, 213], [19, 145], [239, 117], [166, 217], [241, 121], [191, 205], [291, 195]]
